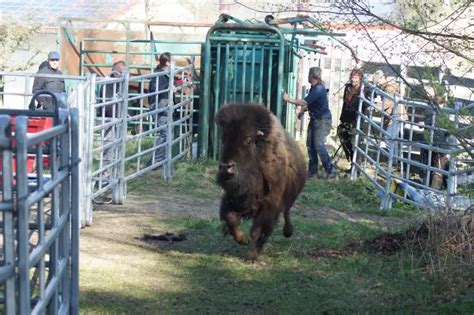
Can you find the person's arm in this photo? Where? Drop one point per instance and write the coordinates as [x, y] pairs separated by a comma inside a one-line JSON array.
[[152, 89], [302, 103]]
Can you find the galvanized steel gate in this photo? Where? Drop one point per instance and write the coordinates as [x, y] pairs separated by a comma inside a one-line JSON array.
[[399, 151], [117, 144], [120, 154], [40, 213]]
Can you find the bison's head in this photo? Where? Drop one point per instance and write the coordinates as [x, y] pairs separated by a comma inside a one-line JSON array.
[[244, 135]]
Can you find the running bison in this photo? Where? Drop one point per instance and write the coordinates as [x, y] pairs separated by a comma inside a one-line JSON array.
[[261, 170]]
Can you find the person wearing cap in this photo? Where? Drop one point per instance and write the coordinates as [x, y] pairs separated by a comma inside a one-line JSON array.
[[51, 84]]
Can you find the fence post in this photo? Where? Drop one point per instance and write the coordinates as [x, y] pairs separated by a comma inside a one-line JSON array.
[[354, 171], [75, 199], [119, 191], [64, 209], [82, 106], [24, 294], [393, 131], [191, 113], [9, 236], [86, 213], [168, 165]]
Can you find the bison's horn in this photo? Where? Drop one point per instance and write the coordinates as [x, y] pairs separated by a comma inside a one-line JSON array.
[[259, 133]]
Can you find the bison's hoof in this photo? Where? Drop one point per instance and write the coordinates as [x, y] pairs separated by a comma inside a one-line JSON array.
[[287, 230], [253, 256], [243, 240]]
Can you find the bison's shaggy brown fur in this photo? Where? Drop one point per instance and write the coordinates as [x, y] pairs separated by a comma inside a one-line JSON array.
[[262, 171]]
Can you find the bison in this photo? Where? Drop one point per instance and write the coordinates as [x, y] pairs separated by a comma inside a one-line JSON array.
[[261, 170]]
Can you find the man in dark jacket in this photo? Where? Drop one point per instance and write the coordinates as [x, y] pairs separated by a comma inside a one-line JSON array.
[[54, 85]]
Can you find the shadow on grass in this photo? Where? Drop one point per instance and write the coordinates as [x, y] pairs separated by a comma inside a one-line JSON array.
[[209, 274], [222, 285]]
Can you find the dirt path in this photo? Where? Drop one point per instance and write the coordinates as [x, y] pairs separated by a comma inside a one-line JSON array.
[[169, 205], [165, 206]]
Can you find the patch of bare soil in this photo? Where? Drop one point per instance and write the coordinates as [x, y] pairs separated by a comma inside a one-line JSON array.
[[171, 205], [386, 244], [164, 206]]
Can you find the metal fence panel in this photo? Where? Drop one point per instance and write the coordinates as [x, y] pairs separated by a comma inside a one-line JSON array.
[[119, 134], [162, 134], [408, 154], [42, 166]]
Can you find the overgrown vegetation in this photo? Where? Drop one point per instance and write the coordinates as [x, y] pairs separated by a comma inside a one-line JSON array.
[[121, 273], [15, 36]]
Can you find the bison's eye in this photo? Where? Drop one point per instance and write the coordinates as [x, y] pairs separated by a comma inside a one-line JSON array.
[[248, 140]]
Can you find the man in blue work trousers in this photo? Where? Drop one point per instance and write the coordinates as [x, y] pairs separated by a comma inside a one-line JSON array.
[[316, 103]]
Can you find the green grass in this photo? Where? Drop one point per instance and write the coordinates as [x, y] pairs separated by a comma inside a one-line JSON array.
[[209, 274], [349, 196], [196, 179]]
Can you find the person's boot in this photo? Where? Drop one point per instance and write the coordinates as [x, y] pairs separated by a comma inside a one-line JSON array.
[[311, 174]]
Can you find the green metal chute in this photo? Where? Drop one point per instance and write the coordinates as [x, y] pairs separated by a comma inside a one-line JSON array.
[[245, 61], [242, 62]]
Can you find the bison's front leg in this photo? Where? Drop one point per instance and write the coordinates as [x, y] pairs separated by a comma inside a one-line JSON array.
[[232, 226], [232, 220], [261, 230]]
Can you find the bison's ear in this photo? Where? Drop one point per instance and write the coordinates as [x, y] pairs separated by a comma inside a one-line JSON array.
[[262, 118]]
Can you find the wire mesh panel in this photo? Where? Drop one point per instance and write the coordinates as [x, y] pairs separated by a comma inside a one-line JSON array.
[[415, 152], [42, 205]]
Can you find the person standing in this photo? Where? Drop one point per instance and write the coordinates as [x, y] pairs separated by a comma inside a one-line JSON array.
[[433, 120], [348, 118], [110, 93], [319, 127], [53, 85], [159, 98], [111, 90]]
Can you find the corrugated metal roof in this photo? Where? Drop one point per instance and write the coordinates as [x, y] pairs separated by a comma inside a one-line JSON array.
[[48, 11]]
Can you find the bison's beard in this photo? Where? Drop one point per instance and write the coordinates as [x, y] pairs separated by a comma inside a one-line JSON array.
[[244, 180]]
